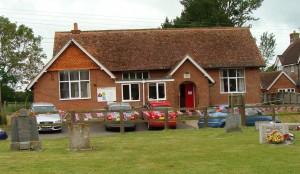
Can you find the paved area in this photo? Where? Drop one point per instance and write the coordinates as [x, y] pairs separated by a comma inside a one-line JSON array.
[[98, 129]]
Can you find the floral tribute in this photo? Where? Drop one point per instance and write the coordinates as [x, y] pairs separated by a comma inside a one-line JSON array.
[[275, 137]]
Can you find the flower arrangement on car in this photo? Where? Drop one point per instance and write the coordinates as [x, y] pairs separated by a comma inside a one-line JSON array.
[[275, 137]]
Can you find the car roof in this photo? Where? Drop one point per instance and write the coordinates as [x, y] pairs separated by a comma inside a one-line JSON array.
[[42, 104]]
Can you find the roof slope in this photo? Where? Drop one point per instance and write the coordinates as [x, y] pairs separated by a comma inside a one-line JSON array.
[[267, 78], [162, 49], [291, 54]]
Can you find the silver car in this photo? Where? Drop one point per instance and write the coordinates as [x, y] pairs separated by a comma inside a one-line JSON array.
[[47, 116]]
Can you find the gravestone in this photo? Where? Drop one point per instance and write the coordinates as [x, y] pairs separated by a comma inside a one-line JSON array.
[[79, 136], [24, 132], [258, 123], [265, 129], [232, 123]]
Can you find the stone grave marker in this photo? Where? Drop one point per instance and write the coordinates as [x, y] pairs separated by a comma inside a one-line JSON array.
[[232, 123], [265, 129], [24, 132], [79, 136]]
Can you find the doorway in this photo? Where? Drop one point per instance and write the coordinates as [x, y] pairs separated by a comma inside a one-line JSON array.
[[187, 95]]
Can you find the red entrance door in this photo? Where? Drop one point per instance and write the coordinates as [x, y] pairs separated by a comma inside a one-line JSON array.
[[189, 96]]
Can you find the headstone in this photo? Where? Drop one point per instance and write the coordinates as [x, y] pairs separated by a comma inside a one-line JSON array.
[[24, 132], [265, 129], [79, 136], [232, 123], [258, 123]]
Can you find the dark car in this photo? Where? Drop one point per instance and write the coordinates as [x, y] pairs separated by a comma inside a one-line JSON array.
[[3, 135], [113, 118], [217, 117]]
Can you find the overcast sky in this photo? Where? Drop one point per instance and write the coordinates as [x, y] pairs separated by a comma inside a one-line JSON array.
[[46, 17]]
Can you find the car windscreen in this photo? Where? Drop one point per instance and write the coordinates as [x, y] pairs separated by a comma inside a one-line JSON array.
[[118, 107], [44, 109]]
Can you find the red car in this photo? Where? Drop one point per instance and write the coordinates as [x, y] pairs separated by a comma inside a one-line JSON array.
[[155, 115]]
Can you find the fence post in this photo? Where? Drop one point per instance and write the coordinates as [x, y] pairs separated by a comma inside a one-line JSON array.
[[166, 118], [243, 114], [122, 128], [205, 117], [273, 112]]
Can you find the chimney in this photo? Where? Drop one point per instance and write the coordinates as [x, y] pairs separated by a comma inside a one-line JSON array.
[[75, 30], [293, 37]]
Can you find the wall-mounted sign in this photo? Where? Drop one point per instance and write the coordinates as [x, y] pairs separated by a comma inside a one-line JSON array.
[[106, 94], [187, 75]]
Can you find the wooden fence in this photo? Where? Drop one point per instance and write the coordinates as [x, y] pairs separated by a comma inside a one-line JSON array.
[[281, 98]]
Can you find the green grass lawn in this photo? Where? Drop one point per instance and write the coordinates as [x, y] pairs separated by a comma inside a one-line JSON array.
[[172, 151]]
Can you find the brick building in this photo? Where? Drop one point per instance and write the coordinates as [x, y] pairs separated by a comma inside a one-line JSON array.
[[188, 67]]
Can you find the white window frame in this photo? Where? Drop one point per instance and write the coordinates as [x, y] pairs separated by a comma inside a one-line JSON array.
[[228, 81], [135, 75], [79, 88], [130, 100], [292, 68], [287, 90], [157, 92]]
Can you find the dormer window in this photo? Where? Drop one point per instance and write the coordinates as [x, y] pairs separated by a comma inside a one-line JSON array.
[[135, 75]]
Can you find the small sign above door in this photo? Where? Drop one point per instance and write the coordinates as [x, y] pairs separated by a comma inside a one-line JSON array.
[[187, 75]]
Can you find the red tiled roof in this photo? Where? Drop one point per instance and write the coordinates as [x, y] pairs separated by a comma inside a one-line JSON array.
[[267, 78], [151, 49]]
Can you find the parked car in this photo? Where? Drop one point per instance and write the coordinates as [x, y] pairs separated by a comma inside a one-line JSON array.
[[155, 114], [3, 134], [47, 116], [217, 117], [113, 119]]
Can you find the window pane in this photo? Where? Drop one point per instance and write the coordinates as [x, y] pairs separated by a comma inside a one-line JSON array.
[[64, 90], [232, 85], [232, 73], [240, 73], [74, 90], [126, 92], [64, 76], [224, 85], [85, 89], [161, 91], [84, 75], [145, 75], [225, 73], [74, 75], [241, 85], [139, 75], [132, 75], [135, 92], [152, 91], [125, 76]]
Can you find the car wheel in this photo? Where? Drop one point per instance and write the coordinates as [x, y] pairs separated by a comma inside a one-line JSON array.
[[107, 128], [222, 125], [133, 128]]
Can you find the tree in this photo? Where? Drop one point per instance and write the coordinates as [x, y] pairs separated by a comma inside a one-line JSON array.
[[267, 48], [20, 54], [206, 13]]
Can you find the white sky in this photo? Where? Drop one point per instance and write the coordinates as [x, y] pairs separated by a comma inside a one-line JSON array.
[[46, 17]]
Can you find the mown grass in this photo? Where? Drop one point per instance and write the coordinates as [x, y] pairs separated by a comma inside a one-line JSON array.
[[170, 152]]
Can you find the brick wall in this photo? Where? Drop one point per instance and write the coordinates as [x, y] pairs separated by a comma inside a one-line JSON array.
[[282, 82]]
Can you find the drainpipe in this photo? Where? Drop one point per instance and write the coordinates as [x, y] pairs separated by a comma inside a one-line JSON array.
[[143, 82]]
